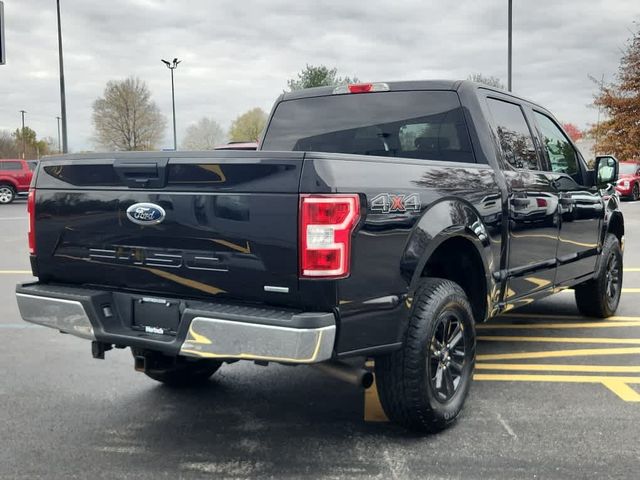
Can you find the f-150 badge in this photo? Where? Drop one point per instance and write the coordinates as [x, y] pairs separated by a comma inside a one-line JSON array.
[[391, 203], [146, 213]]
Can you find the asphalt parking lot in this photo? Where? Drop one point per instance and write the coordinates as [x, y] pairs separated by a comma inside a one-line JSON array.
[[555, 396]]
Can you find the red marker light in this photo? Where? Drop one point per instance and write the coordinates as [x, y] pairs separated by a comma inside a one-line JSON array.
[[31, 210], [360, 87]]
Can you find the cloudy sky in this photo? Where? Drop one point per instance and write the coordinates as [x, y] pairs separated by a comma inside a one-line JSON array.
[[239, 54]]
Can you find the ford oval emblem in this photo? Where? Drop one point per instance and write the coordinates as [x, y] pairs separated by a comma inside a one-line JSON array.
[[146, 213]]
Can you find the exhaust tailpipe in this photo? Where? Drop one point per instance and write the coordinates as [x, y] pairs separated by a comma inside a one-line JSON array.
[[347, 373]]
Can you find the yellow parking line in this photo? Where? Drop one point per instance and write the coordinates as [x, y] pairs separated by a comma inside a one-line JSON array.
[[507, 338], [15, 272], [537, 316], [373, 411], [624, 290], [579, 352], [544, 326], [505, 377], [631, 269], [618, 385], [620, 388], [559, 368]]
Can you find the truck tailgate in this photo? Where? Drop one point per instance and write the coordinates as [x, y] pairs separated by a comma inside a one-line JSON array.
[[228, 226]]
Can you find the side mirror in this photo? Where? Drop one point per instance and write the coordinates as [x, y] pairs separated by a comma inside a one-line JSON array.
[[606, 170]]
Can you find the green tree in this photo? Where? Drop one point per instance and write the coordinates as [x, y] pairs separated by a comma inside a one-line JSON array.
[[204, 135], [33, 147], [619, 132], [494, 82], [249, 126], [320, 76], [125, 117]]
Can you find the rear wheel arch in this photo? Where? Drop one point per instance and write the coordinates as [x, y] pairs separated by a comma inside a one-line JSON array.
[[457, 258], [9, 183]]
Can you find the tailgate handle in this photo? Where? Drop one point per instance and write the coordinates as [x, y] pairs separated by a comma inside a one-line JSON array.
[[146, 174]]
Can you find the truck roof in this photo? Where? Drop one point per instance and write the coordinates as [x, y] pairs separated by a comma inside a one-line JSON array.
[[408, 85]]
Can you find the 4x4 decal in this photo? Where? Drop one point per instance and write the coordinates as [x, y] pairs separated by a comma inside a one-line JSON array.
[[390, 203]]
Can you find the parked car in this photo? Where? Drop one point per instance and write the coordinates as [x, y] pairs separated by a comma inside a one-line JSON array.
[[628, 184], [15, 178], [377, 220]]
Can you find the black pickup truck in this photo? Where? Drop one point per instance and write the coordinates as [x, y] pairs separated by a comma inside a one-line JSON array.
[[378, 220]]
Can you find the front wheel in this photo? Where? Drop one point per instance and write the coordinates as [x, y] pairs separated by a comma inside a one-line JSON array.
[[7, 194], [635, 192], [600, 296], [423, 386]]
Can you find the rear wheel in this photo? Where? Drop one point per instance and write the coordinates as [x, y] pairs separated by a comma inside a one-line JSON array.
[[635, 192], [7, 194], [423, 385], [600, 296]]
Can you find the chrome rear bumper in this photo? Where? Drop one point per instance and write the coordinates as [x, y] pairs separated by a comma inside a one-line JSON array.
[[216, 338], [206, 330], [68, 316]]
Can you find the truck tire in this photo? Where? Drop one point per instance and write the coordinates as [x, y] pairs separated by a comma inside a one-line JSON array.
[[7, 194], [600, 296], [185, 374], [423, 386]]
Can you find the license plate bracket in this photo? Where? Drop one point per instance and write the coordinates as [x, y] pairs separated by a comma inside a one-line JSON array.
[[156, 315]]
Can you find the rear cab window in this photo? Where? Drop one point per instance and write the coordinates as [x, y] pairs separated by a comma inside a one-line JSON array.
[[513, 134], [427, 125]]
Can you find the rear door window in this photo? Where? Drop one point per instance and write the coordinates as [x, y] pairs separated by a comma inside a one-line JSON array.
[[427, 125], [514, 135], [10, 166]]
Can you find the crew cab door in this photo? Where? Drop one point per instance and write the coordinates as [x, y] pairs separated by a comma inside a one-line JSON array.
[[581, 207], [532, 203]]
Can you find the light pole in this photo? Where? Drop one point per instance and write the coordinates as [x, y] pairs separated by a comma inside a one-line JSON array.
[[172, 66], [510, 45], [59, 145], [24, 143], [63, 99]]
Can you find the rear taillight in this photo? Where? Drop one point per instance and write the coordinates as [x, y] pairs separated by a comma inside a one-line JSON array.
[[326, 225], [31, 210]]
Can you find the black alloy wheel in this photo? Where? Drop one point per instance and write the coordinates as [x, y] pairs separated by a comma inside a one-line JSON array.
[[446, 357]]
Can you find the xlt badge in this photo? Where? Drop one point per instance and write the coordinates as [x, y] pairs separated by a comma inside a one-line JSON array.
[[146, 213]]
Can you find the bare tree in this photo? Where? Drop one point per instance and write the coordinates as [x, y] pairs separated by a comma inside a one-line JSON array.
[[126, 118], [204, 135], [8, 146]]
